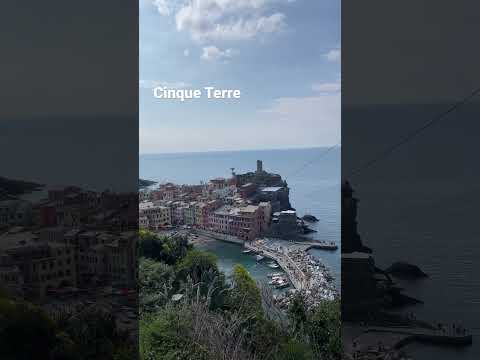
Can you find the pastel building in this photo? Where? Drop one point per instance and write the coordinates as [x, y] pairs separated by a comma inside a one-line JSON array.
[[15, 213], [34, 266], [243, 222], [190, 214], [157, 216]]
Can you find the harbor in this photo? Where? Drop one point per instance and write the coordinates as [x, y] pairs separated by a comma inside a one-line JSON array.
[[308, 275], [286, 266]]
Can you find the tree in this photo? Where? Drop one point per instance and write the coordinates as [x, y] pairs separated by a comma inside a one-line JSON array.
[[245, 296], [324, 328], [320, 326], [297, 313], [196, 263], [156, 284], [26, 332], [96, 336], [162, 248], [199, 269], [295, 350], [167, 336]]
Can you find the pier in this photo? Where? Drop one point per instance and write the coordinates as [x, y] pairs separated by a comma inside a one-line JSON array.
[[295, 275], [304, 272], [316, 245], [375, 342], [434, 336]]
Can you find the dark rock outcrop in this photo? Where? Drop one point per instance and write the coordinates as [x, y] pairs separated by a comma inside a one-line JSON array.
[[398, 299], [145, 183], [309, 218], [307, 230], [351, 240], [403, 269], [11, 188]]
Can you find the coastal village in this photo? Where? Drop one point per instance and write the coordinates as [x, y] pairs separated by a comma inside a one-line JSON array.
[[72, 251], [252, 210]]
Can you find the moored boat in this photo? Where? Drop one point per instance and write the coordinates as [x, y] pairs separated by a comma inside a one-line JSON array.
[[282, 284], [272, 275]]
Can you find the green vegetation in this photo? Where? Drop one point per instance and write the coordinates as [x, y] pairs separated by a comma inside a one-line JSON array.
[[321, 326], [166, 250], [190, 311], [26, 332]]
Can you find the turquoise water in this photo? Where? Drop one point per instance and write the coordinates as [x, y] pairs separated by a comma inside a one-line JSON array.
[[230, 254], [313, 176]]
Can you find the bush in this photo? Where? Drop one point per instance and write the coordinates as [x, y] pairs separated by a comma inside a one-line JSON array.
[[155, 284], [25, 331], [167, 336], [324, 329], [321, 326], [215, 321], [245, 296], [168, 250]]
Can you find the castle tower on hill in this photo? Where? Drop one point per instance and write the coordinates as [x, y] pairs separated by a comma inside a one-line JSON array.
[[259, 166]]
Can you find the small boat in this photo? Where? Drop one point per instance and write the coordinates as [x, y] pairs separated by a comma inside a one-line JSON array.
[[272, 275], [273, 265], [282, 284], [259, 257], [247, 251], [278, 280]]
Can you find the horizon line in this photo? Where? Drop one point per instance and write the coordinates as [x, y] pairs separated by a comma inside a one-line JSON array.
[[238, 150]]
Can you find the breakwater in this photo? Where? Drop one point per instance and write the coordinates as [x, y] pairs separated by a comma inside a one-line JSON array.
[[295, 275], [307, 274], [434, 336]]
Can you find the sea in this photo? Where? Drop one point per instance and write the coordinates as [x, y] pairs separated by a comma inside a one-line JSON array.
[[420, 205], [313, 176]]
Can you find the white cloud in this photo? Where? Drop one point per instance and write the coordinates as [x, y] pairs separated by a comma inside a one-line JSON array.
[[209, 20], [150, 84], [327, 88], [286, 123], [313, 120], [186, 52], [163, 7], [333, 55], [212, 53]]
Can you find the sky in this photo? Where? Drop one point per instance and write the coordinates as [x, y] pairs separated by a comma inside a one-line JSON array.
[[409, 52], [69, 94], [283, 55]]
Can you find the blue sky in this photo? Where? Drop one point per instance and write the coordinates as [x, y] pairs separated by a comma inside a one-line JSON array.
[[284, 56]]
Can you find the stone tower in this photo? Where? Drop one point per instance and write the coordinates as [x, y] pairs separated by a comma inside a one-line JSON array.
[[259, 166]]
